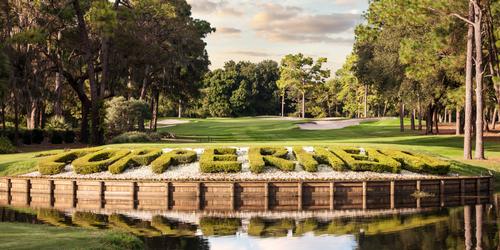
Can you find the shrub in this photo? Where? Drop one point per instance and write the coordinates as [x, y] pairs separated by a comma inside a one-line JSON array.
[[419, 163], [372, 161], [55, 164], [217, 160], [135, 136], [172, 158], [305, 159], [324, 156], [219, 226], [98, 161], [141, 157], [123, 115], [27, 137], [269, 156], [57, 123], [6, 146], [69, 136], [56, 136], [37, 136]]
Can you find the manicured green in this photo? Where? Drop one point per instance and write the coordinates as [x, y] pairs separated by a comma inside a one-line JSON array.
[[15, 236]]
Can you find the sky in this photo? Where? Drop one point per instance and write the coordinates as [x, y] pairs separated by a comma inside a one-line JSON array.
[[255, 30]]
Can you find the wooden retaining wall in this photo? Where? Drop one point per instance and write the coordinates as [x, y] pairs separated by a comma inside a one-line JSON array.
[[245, 195]]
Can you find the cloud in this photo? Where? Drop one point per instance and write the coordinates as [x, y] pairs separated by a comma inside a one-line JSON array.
[[251, 53], [291, 24], [228, 31], [220, 8]]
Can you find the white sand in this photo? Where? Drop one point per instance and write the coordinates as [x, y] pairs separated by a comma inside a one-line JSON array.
[[171, 122], [334, 124]]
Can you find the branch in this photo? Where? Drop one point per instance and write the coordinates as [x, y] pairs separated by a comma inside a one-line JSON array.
[[462, 18]]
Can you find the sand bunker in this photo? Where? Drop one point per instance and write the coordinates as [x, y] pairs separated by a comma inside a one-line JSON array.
[[334, 124]]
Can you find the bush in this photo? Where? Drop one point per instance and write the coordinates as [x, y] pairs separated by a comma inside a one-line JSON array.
[[56, 136], [135, 136], [305, 159], [98, 161], [269, 156], [324, 156], [141, 157], [57, 123], [69, 136], [372, 161], [219, 226], [418, 163], [123, 115], [27, 137], [55, 164], [37, 136], [172, 158], [217, 160], [6, 146]]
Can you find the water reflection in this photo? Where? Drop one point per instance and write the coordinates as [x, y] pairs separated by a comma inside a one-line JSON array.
[[467, 227]]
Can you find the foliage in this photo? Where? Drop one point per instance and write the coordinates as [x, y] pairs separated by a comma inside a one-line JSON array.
[[259, 157], [54, 164], [138, 157], [6, 146], [57, 123], [98, 161], [305, 159], [219, 226], [122, 115], [172, 158], [136, 136], [217, 160]]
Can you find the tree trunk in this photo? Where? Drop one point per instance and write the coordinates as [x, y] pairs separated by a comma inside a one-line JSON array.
[[180, 108], [97, 137], [494, 118], [457, 121], [304, 104], [84, 125], [419, 111], [436, 121], [412, 120], [154, 120], [365, 102], [401, 116], [16, 118], [429, 121], [479, 149], [283, 105], [385, 109], [468, 87], [58, 111], [3, 116]]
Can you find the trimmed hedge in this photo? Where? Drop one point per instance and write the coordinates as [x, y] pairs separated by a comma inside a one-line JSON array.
[[172, 158], [419, 163], [372, 161], [259, 157], [56, 136], [219, 160], [219, 226], [98, 161], [305, 159], [324, 156], [6, 146], [54, 164], [141, 157]]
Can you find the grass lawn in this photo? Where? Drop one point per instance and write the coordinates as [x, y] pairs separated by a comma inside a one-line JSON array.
[[33, 236], [265, 131]]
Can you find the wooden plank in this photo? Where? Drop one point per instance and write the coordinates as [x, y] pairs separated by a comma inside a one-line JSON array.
[[332, 195]]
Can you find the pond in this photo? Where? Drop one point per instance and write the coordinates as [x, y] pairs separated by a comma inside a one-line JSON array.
[[471, 226]]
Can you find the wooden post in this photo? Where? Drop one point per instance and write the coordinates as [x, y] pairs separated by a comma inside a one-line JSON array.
[[332, 195], [266, 196], [299, 193], [101, 191], [418, 191], [364, 194], [441, 193], [462, 191], [51, 192], [135, 202], [28, 192], [392, 188], [478, 190], [9, 191], [74, 190], [198, 196], [168, 195], [233, 194]]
